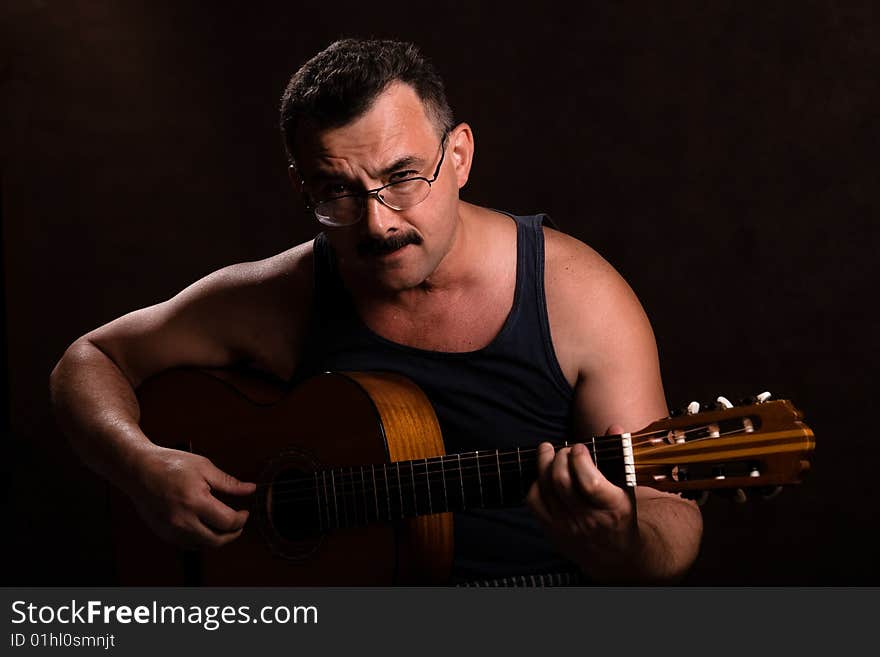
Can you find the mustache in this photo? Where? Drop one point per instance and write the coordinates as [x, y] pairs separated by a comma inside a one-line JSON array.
[[372, 246]]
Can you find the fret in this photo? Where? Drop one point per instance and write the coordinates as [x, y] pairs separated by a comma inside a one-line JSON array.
[[461, 479], [387, 490], [355, 502], [318, 500], [354, 498], [351, 522], [399, 487], [479, 477], [375, 490], [428, 488], [613, 461], [443, 476], [500, 486], [522, 485], [412, 474], [326, 496], [335, 503], [364, 494], [344, 498]]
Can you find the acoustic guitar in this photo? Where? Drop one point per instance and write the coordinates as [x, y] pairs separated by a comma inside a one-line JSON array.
[[355, 486]]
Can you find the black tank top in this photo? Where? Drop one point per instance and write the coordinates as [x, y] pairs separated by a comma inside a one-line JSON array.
[[511, 393]]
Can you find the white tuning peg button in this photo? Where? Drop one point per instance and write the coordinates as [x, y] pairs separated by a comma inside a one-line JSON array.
[[725, 402], [771, 493], [764, 396], [693, 408]]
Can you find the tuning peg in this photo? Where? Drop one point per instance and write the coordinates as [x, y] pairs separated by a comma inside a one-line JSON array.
[[723, 402], [698, 496], [691, 409], [764, 396], [770, 492], [737, 495]]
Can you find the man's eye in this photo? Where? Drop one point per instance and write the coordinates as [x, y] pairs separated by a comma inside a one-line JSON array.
[[329, 191], [403, 175]]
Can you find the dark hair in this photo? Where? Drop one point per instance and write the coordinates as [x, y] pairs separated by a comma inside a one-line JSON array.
[[341, 82]]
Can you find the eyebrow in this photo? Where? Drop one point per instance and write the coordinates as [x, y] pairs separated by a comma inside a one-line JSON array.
[[404, 162]]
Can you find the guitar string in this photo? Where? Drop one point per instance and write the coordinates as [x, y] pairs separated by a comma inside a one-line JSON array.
[[612, 446], [293, 491], [392, 512], [356, 477]]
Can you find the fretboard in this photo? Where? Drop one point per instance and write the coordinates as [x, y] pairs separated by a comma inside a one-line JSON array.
[[360, 495]]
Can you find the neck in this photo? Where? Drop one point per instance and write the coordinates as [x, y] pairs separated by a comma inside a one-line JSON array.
[[359, 495]]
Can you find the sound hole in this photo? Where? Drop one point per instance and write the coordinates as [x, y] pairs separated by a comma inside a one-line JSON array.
[[292, 505]]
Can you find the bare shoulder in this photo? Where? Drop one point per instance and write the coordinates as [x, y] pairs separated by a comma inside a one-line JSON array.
[[602, 338], [582, 285], [250, 292], [291, 267], [251, 312], [593, 311]]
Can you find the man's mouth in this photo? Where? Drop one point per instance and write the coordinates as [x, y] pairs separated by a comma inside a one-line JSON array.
[[383, 247]]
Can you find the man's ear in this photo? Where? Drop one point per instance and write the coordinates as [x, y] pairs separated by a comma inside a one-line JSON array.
[[461, 150], [295, 179], [298, 183]]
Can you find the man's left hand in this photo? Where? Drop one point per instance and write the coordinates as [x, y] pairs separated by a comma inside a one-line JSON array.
[[591, 520]]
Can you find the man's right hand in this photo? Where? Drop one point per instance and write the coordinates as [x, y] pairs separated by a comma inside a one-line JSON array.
[[173, 492]]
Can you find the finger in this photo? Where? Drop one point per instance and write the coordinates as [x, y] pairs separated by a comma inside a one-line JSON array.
[[546, 457], [589, 482], [225, 482], [536, 504], [219, 516], [614, 430], [563, 488], [200, 535], [223, 539], [185, 529]]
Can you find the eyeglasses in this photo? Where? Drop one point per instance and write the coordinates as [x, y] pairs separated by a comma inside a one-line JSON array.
[[348, 209]]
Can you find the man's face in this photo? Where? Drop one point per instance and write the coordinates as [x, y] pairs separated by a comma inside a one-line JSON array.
[[393, 140]]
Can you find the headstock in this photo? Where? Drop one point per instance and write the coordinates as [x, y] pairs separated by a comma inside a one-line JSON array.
[[760, 444]]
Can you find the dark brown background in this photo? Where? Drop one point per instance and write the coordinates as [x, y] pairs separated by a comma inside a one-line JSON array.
[[722, 155]]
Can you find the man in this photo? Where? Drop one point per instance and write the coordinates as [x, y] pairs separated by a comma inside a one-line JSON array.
[[517, 333]]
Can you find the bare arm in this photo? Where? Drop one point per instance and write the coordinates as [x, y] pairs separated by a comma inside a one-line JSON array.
[[606, 347], [252, 313]]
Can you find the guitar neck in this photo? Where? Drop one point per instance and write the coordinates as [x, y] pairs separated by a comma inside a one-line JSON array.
[[359, 495]]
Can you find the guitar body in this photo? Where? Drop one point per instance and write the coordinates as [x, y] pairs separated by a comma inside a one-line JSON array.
[[261, 433]]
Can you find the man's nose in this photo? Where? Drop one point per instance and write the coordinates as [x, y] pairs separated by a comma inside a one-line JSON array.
[[378, 218]]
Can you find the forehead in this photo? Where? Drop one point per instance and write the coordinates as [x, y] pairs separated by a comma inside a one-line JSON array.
[[396, 125]]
